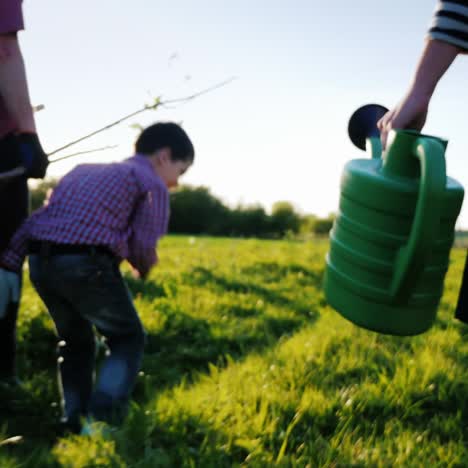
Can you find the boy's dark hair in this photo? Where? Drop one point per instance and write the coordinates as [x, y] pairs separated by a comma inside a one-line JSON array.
[[162, 135]]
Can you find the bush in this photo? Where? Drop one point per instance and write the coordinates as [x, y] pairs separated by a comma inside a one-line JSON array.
[[196, 211], [322, 226], [249, 221], [284, 219], [39, 193]]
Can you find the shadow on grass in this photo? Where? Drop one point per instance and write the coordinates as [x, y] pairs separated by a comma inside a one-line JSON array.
[[186, 345], [440, 411], [203, 277], [182, 348], [275, 272], [36, 344], [144, 288], [184, 441], [31, 409]]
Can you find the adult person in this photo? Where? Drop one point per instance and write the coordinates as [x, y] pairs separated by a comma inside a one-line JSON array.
[[21, 156], [447, 38]]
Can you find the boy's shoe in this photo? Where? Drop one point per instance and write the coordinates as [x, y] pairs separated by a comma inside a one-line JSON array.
[[93, 428]]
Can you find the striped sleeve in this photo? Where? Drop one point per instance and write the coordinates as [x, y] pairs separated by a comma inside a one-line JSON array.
[[450, 23]]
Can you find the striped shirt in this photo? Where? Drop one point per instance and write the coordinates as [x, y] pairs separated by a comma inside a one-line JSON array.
[[122, 206], [450, 23]]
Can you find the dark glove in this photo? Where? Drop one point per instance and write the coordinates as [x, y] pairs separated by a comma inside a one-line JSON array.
[[9, 290], [32, 155]]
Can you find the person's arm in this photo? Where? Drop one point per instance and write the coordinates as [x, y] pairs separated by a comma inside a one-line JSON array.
[[149, 223], [436, 58], [448, 37], [14, 93], [411, 112], [13, 84], [15, 96]]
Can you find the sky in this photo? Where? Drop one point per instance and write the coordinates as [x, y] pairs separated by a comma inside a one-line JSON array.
[[278, 132]]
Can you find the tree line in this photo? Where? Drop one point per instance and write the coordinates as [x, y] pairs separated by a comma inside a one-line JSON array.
[[195, 210]]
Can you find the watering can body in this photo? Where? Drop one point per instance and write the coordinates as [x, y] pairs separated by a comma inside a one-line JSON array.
[[390, 243]]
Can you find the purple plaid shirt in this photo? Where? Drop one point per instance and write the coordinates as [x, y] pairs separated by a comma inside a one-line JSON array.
[[123, 206]]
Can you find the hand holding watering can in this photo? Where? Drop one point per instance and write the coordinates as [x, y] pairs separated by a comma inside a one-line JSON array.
[[391, 240]]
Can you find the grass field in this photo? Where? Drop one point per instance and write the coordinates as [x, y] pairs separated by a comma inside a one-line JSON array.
[[247, 366]]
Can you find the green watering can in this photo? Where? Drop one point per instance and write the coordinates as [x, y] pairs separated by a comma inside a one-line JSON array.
[[390, 243]]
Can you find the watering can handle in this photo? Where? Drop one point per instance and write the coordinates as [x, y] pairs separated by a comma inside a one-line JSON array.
[[412, 257]]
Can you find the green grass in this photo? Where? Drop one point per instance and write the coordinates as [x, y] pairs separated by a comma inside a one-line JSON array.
[[247, 366]]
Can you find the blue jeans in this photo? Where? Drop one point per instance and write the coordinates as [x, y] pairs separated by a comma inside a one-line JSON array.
[[82, 291]]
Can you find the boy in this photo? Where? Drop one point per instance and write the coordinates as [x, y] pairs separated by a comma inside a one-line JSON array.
[[98, 215]]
